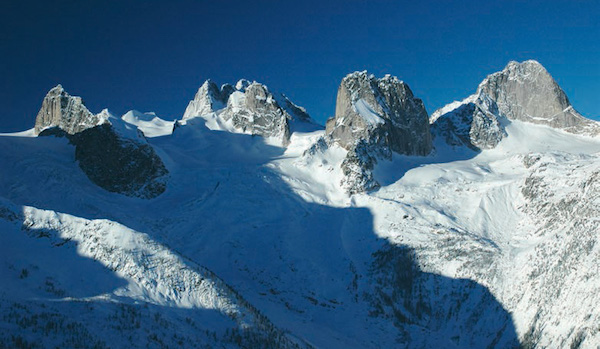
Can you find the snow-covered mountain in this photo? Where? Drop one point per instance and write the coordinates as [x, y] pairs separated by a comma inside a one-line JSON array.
[[479, 232], [111, 152], [373, 119], [526, 91], [249, 108], [521, 91], [59, 109]]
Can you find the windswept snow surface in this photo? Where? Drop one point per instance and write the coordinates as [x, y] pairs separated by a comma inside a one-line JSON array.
[[450, 252], [150, 124], [468, 216]]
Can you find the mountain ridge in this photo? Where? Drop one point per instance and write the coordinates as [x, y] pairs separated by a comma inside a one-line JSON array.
[[469, 244], [249, 107]]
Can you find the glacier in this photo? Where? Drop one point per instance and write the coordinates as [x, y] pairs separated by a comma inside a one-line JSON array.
[[489, 240]]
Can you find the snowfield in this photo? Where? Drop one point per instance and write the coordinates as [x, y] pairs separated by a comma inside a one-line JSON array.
[[256, 245]]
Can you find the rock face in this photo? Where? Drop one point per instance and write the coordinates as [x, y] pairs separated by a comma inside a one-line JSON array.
[[208, 99], [248, 107], [119, 164], [113, 154], [522, 91], [254, 110], [474, 122], [382, 112], [373, 119], [526, 92], [561, 277], [64, 111]]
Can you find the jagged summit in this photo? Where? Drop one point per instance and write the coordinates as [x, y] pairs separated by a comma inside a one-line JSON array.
[[56, 90], [379, 111], [373, 119], [254, 246], [59, 109], [249, 107], [242, 84], [111, 152], [208, 99]]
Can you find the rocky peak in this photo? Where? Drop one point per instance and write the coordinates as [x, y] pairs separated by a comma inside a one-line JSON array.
[[249, 107], [57, 90], [208, 99], [242, 84], [527, 92], [375, 118], [59, 109], [382, 112], [253, 109], [521, 91], [113, 154]]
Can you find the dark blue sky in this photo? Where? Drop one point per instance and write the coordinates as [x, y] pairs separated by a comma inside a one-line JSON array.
[[153, 55]]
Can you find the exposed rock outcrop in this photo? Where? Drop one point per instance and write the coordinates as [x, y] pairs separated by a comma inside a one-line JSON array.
[[474, 122], [118, 164], [383, 112], [521, 91], [113, 154], [526, 92], [208, 99], [373, 119], [249, 107], [66, 112], [255, 110]]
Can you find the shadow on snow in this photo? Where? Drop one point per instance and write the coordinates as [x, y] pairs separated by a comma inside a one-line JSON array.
[[320, 272]]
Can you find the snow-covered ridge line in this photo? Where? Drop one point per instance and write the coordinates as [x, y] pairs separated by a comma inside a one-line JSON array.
[[449, 108], [248, 108], [149, 123], [497, 226]]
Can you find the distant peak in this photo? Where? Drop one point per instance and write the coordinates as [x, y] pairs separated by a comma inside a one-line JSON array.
[[106, 112], [527, 65], [248, 107], [527, 92], [364, 75], [360, 74], [242, 84], [391, 78], [207, 82], [56, 91], [208, 87], [59, 109]]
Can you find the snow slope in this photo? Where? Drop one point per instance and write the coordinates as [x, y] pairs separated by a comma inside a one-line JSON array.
[[254, 243], [470, 216], [150, 124], [69, 280]]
